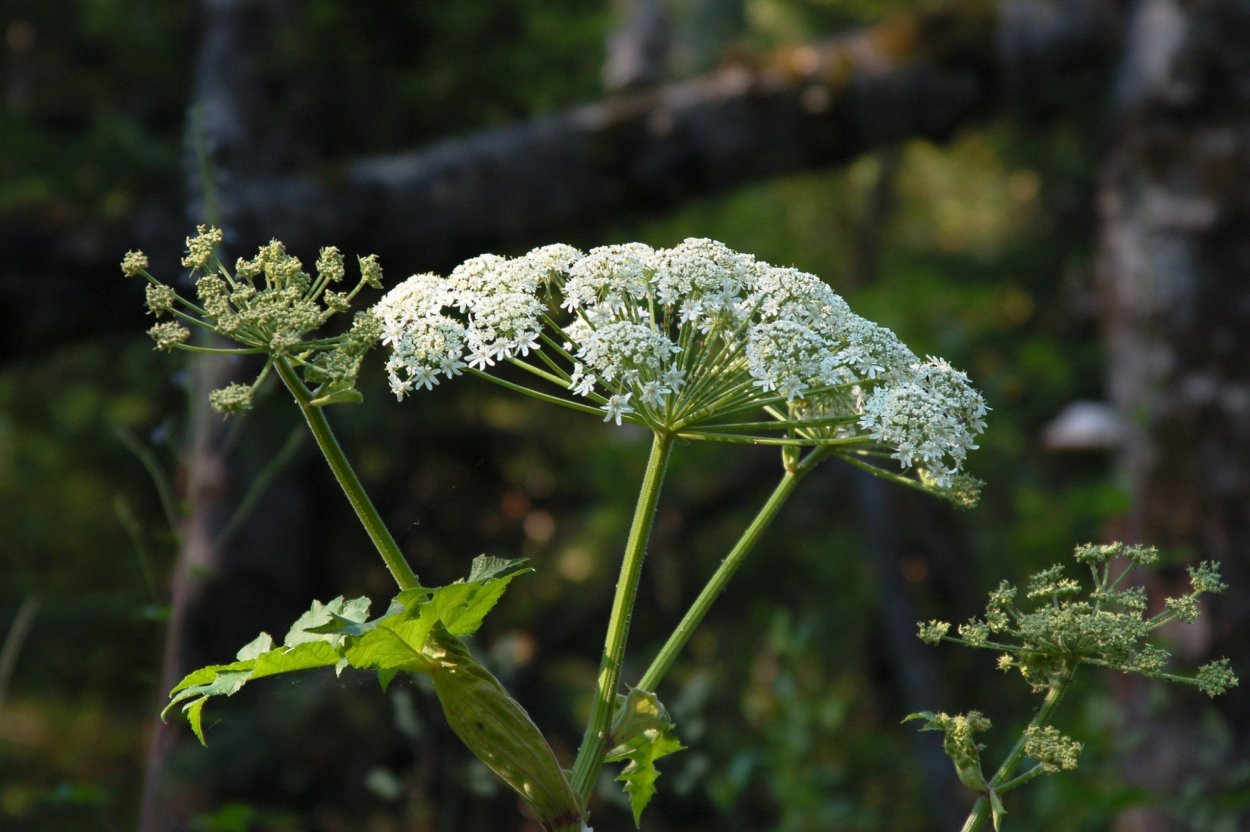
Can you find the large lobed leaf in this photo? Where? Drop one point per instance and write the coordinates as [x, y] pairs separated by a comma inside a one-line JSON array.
[[340, 634]]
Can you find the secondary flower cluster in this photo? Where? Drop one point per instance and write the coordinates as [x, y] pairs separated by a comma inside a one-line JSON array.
[[1108, 628], [268, 305], [685, 340]]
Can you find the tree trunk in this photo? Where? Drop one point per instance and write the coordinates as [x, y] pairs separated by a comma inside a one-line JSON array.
[[1175, 275], [221, 593]]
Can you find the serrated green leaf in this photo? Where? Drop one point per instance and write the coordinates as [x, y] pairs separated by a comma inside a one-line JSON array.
[[193, 712], [319, 615], [463, 606], [206, 675], [395, 644], [640, 774], [339, 634], [259, 658], [641, 733], [487, 567], [225, 682], [340, 626], [263, 643], [305, 656]]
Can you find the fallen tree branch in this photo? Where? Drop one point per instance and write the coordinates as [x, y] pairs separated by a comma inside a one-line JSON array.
[[565, 174]]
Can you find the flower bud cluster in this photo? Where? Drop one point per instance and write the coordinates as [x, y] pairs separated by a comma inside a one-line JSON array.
[[268, 305], [682, 339], [1108, 628]]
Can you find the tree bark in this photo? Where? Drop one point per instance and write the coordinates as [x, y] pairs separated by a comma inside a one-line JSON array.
[[1175, 276]]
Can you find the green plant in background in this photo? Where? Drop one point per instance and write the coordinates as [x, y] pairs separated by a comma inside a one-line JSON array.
[[693, 343], [1047, 641]]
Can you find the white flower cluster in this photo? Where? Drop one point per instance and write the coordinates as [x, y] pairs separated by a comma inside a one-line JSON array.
[[681, 339], [931, 416]]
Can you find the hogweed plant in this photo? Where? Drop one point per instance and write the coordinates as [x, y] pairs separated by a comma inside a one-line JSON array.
[[693, 343]]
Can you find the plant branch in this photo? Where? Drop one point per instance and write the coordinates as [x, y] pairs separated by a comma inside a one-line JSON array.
[[347, 479], [594, 742], [720, 578]]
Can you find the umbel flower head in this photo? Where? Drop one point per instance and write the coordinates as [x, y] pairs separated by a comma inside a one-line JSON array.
[[698, 341], [1061, 628], [267, 305]]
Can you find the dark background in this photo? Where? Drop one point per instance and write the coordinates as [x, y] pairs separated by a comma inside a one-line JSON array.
[[1052, 195]]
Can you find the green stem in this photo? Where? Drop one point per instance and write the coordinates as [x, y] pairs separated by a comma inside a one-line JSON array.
[[720, 578], [343, 472], [1020, 780], [981, 809], [594, 743]]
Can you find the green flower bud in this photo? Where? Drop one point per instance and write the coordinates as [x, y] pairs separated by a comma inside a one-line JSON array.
[[200, 247], [1052, 750], [169, 334], [233, 398], [160, 299], [134, 263], [934, 631]]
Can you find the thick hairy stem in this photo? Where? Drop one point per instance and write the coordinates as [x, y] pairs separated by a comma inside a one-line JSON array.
[[594, 742]]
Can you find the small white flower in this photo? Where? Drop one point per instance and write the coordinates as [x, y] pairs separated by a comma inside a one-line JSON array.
[[653, 393], [931, 417], [423, 377], [554, 260], [481, 356], [617, 406], [582, 383]]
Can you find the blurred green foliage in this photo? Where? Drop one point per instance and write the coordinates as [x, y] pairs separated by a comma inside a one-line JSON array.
[[978, 251]]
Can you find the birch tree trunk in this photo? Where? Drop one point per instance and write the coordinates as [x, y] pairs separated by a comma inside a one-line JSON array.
[[1175, 275]]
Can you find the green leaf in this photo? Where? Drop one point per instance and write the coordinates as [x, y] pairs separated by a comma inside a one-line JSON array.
[[259, 658], [487, 567], [642, 734], [640, 775], [340, 634], [997, 810], [929, 717], [462, 606], [263, 643], [193, 712], [307, 627], [395, 645]]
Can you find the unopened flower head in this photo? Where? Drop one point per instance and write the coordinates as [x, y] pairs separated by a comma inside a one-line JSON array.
[[200, 248], [268, 304], [1058, 628], [134, 263], [690, 340]]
